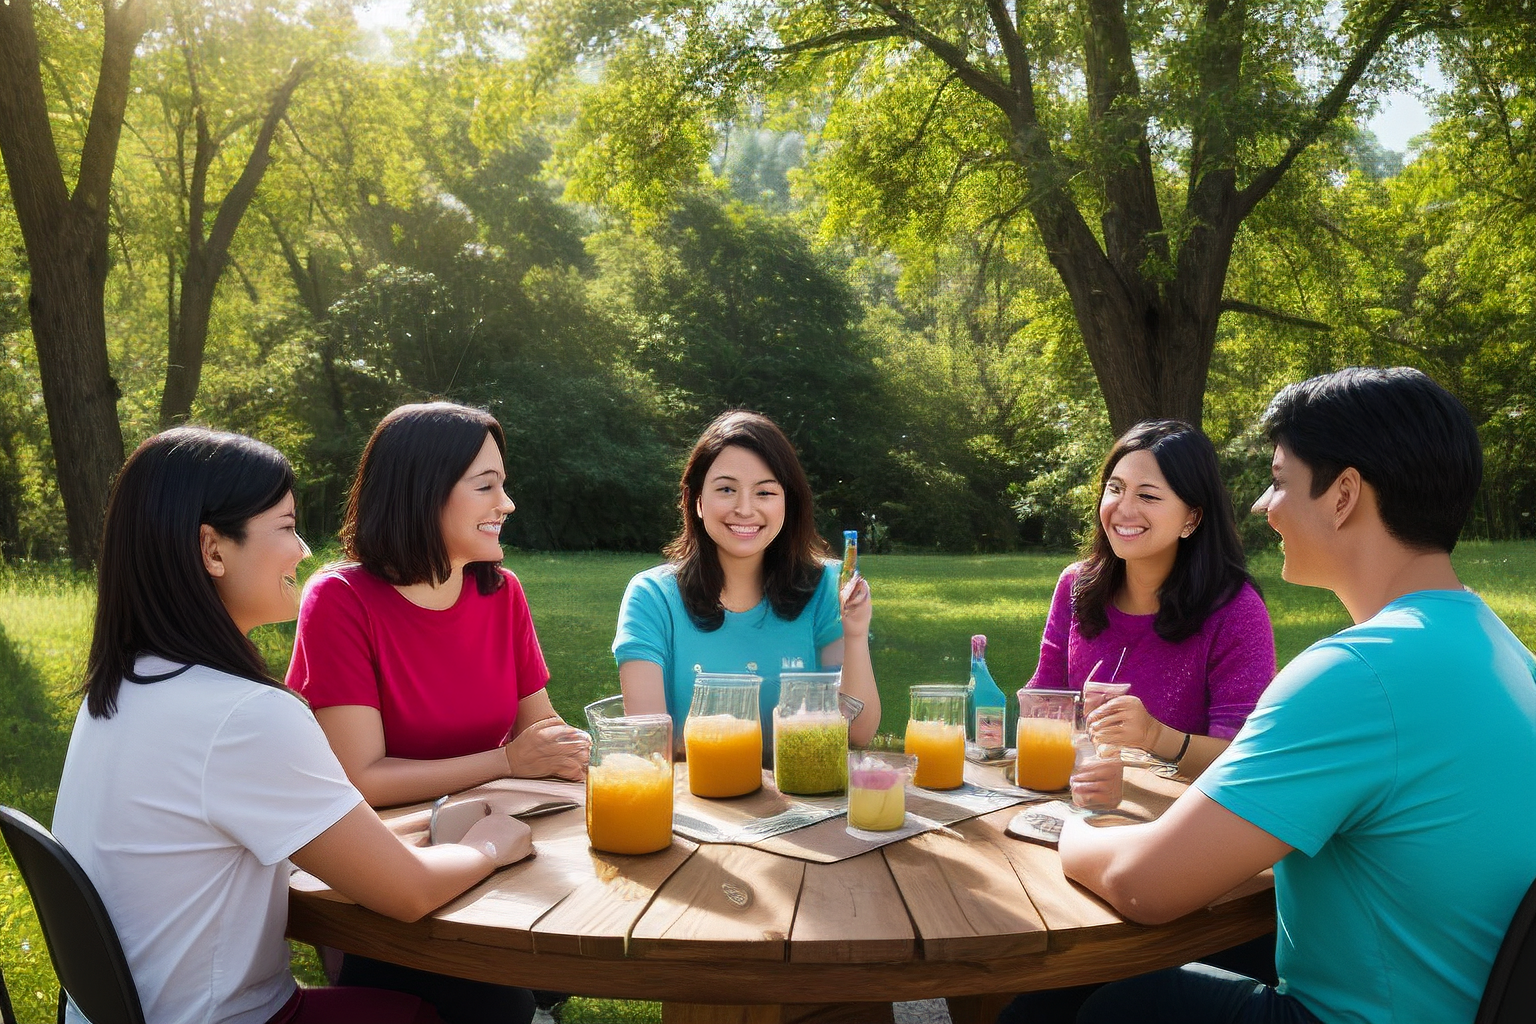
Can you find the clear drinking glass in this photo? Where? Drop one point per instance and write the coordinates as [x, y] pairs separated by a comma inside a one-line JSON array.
[[936, 734], [1047, 721], [1100, 769], [810, 734], [629, 780], [723, 736], [877, 789]]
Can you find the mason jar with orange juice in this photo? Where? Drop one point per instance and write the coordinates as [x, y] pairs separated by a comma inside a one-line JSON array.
[[723, 736], [936, 735], [1046, 752], [629, 780]]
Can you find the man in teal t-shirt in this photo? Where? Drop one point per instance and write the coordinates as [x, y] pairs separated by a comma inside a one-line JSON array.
[[1383, 771]]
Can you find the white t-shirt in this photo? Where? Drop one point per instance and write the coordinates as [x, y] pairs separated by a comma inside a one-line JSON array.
[[183, 809]]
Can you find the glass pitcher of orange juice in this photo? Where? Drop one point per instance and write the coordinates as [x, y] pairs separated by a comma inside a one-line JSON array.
[[629, 780], [936, 734], [1046, 753], [723, 736], [810, 734]]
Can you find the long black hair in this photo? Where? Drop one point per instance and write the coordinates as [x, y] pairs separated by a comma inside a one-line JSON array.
[[153, 593], [792, 563], [417, 454], [1209, 567]]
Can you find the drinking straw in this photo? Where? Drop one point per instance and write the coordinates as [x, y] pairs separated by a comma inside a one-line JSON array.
[[1117, 664]]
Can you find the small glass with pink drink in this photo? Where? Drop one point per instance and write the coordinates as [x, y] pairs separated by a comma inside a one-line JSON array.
[[877, 789]]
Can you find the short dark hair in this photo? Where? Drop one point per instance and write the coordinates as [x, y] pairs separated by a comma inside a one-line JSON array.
[[792, 563], [1209, 567], [1407, 436], [153, 593], [417, 454]]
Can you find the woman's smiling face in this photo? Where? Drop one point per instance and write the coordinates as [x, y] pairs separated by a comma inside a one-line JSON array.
[[471, 518], [1141, 514], [742, 504]]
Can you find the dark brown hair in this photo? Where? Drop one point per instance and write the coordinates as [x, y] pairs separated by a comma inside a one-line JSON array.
[[417, 454], [1408, 437], [153, 593], [792, 564], [1209, 567]]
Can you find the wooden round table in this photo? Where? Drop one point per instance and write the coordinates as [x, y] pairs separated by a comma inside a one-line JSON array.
[[722, 932]]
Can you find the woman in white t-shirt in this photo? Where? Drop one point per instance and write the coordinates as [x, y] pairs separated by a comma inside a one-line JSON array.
[[193, 777]]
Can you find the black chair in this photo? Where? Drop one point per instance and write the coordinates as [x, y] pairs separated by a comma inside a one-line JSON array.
[[81, 940], [7, 1015], [1510, 995]]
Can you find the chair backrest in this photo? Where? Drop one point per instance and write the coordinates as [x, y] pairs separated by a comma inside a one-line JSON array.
[[81, 940], [1510, 995], [7, 1015]]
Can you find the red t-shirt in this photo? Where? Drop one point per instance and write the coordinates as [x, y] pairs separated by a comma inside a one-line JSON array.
[[446, 683]]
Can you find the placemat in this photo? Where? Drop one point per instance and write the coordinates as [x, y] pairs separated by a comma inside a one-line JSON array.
[[815, 828]]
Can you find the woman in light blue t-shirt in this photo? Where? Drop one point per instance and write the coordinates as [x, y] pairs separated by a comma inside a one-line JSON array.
[[748, 587]]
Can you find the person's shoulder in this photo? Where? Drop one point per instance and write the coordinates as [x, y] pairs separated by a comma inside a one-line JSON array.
[[1069, 574], [658, 579], [1245, 603], [511, 586], [340, 578]]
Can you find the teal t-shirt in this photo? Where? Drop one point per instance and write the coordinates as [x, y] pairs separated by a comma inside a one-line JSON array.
[[654, 626], [1396, 757]]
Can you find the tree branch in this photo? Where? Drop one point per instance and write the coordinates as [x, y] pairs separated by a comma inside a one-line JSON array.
[[922, 126], [244, 189], [1248, 308], [1013, 49], [1327, 108], [26, 136], [834, 41], [125, 26], [987, 86]]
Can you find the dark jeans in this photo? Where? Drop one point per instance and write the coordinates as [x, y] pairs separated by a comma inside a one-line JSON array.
[[1192, 994], [1254, 959], [458, 1000]]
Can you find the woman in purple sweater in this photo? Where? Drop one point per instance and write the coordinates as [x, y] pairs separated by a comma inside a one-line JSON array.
[[1163, 601]]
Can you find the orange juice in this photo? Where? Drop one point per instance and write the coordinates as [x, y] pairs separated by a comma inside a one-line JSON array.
[[1046, 753], [629, 804], [940, 750], [725, 756]]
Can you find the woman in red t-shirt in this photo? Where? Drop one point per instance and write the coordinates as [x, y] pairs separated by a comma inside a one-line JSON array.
[[419, 656]]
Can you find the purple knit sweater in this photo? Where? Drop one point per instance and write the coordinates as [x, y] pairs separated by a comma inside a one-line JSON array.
[[1206, 684]]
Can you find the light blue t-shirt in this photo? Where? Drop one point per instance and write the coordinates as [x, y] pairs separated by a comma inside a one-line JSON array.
[[654, 626], [1396, 756]]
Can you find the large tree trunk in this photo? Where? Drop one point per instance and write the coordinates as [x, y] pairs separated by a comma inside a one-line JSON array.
[[69, 330], [66, 241]]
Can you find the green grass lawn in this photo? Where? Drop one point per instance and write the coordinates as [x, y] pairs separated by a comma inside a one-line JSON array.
[[926, 608]]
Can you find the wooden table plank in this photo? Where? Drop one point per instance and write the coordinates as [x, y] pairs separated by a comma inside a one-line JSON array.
[[726, 901], [851, 912], [1064, 906], [596, 918], [964, 898], [506, 905]]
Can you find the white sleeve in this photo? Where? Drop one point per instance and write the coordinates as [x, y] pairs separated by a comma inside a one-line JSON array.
[[271, 782]]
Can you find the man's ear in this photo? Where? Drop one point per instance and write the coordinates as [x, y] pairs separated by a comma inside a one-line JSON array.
[[1349, 492], [208, 541]]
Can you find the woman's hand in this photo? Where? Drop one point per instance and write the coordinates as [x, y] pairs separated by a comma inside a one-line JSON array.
[[501, 837], [1098, 782], [549, 748], [1124, 722], [857, 608]]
